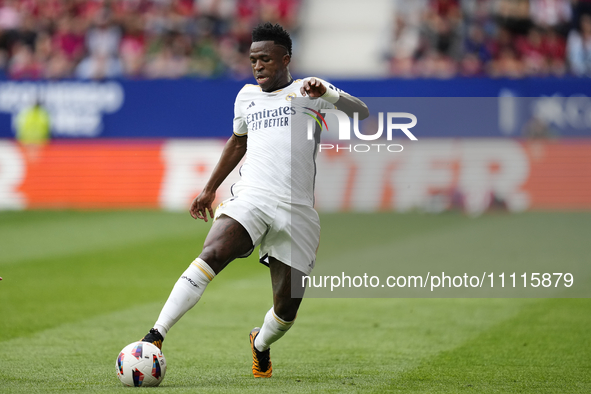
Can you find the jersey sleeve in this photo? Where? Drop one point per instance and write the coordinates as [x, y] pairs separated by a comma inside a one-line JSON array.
[[240, 126], [324, 103], [331, 86]]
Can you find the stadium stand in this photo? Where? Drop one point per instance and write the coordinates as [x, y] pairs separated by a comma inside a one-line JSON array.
[[98, 39], [498, 38], [156, 39]]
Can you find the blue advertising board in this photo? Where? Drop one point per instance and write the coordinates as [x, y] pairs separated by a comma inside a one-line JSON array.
[[190, 108]]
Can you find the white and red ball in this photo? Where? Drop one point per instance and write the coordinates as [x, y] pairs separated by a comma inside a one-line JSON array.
[[141, 364]]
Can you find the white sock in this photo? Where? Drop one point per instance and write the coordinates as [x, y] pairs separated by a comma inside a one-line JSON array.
[[185, 294], [273, 328]]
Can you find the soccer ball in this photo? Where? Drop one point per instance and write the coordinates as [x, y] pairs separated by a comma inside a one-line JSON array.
[[141, 364]]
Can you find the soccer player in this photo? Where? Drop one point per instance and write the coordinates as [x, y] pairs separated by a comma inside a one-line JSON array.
[[275, 192]]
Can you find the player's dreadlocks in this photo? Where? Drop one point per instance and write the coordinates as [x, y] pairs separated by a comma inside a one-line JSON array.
[[275, 33]]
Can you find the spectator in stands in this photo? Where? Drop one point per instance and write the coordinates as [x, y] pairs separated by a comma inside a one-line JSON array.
[[172, 60], [233, 49], [502, 40], [99, 66], [403, 47], [579, 47], [104, 37], [133, 47], [506, 65], [476, 43], [205, 60], [554, 14], [471, 65], [59, 66], [532, 52], [26, 31], [514, 15], [580, 7], [446, 8], [232, 59], [43, 47], [437, 64], [283, 12], [442, 28], [555, 50], [69, 38], [157, 22], [24, 64], [478, 12], [10, 16]]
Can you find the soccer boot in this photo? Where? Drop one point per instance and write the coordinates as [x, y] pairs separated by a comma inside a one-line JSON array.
[[261, 361], [154, 337]]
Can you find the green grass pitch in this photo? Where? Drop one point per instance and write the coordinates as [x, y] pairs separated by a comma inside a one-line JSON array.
[[79, 286]]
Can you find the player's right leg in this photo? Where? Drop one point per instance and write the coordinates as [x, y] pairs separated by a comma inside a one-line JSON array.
[[226, 241]]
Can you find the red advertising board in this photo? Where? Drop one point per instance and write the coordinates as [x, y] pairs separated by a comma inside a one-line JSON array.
[[169, 173]]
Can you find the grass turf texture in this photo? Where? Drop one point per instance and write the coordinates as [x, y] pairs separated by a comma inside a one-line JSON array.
[[79, 286]]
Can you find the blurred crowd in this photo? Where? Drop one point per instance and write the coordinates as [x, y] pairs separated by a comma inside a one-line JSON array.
[[497, 38], [97, 39]]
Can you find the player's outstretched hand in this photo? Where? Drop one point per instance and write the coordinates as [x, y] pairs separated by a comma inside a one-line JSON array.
[[201, 205], [313, 88]]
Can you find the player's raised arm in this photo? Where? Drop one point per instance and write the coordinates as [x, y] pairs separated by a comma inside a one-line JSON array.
[[314, 88], [231, 155]]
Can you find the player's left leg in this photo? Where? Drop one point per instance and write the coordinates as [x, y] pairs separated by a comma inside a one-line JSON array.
[[279, 318], [226, 241]]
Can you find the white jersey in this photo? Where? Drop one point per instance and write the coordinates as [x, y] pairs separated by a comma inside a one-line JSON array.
[[280, 159]]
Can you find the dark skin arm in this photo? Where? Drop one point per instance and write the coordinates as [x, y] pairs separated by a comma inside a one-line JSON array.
[[232, 154], [346, 103]]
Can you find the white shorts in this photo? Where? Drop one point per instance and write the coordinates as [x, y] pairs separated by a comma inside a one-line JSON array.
[[288, 232]]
